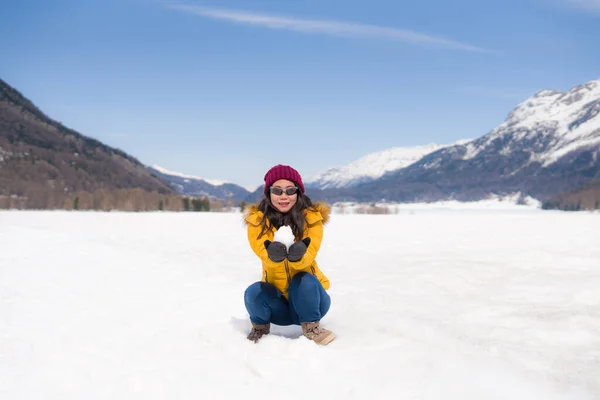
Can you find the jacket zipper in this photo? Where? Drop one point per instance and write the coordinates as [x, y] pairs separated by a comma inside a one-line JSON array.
[[287, 271]]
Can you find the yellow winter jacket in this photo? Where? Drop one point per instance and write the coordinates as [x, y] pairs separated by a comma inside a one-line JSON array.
[[280, 274]]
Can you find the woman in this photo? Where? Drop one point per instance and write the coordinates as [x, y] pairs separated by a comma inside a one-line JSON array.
[[292, 289]]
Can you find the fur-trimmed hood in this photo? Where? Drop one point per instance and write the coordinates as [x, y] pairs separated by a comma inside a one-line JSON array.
[[319, 211]]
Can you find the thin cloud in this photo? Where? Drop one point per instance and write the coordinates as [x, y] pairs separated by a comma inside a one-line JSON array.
[[328, 27]]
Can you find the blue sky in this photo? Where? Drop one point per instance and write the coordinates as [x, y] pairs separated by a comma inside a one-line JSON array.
[[224, 89]]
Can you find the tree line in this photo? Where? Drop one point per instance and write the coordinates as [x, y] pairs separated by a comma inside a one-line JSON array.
[[137, 199], [586, 198]]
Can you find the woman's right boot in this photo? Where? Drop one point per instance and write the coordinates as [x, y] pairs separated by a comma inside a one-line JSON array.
[[259, 331]]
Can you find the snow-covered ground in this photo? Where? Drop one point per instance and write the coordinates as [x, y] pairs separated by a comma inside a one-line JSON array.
[[515, 202], [427, 304]]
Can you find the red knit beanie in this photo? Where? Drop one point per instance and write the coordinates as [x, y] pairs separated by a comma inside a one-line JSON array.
[[283, 172]]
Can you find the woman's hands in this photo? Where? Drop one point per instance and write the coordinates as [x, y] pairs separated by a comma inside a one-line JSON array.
[[278, 252]]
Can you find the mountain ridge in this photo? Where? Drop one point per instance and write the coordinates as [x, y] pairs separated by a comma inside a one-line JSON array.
[[44, 164], [195, 186], [372, 166]]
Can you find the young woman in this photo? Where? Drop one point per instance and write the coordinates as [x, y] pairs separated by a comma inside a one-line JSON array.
[[292, 288]]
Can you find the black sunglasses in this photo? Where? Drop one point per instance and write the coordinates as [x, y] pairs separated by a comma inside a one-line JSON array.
[[279, 191]]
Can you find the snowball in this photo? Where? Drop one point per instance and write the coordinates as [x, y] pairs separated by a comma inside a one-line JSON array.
[[285, 236]]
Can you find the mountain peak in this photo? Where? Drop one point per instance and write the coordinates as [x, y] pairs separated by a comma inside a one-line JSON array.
[[552, 108], [547, 126], [547, 93]]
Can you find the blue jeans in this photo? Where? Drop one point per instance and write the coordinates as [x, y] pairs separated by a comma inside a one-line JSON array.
[[308, 301]]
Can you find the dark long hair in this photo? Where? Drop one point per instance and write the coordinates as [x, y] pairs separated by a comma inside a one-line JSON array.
[[293, 218]]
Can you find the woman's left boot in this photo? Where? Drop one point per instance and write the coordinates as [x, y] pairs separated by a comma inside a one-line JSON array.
[[259, 331], [319, 335]]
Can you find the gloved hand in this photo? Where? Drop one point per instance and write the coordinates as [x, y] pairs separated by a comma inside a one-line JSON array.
[[298, 249], [276, 250]]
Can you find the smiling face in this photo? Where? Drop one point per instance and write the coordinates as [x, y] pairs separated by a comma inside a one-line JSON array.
[[284, 202]]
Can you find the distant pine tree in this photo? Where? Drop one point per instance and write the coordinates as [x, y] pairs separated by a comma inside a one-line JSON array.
[[205, 204], [197, 205]]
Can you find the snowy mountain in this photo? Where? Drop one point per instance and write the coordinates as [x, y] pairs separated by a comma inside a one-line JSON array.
[[556, 123], [371, 167], [199, 187], [548, 144]]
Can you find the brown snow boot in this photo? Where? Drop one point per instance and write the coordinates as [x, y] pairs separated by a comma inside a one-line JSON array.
[[258, 331], [319, 335]]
